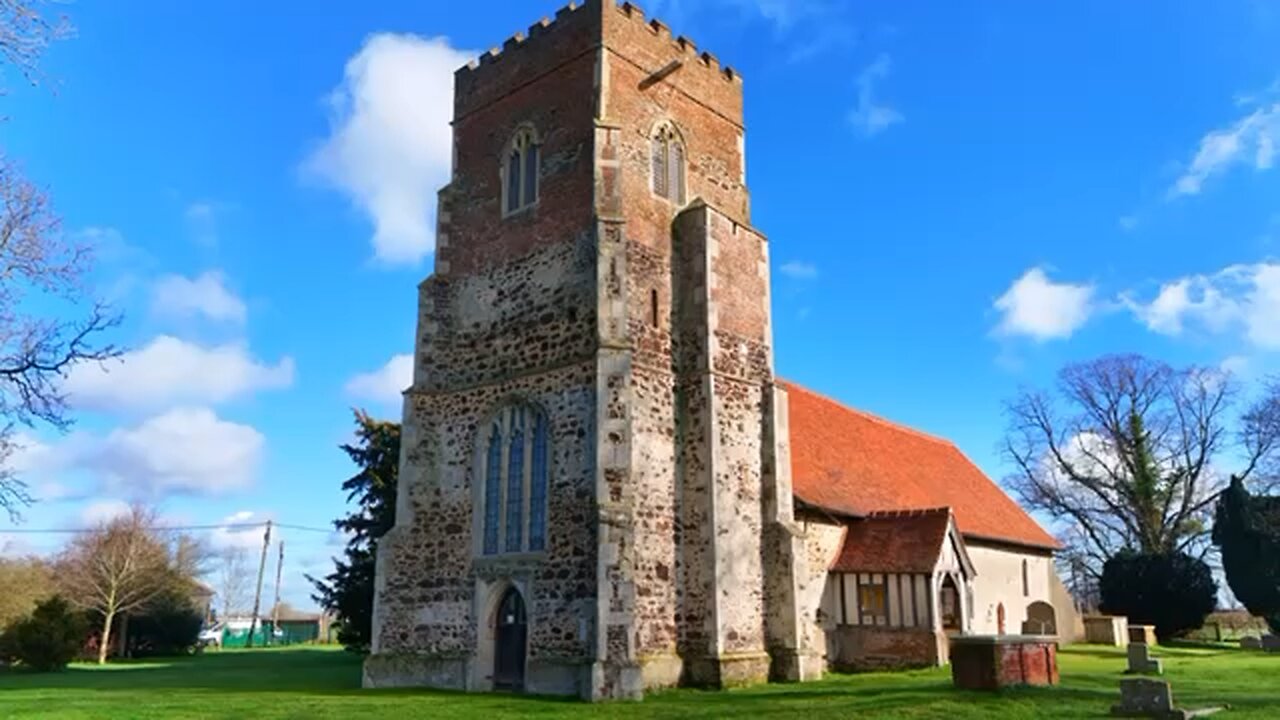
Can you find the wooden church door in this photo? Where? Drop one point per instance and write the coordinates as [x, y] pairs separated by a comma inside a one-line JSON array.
[[508, 660]]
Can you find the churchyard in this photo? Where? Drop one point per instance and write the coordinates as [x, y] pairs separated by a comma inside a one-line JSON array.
[[319, 683]]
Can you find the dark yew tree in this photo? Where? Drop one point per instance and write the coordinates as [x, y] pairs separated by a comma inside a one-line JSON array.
[[1247, 533], [347, 592], [1172, 591], [1129, 452]]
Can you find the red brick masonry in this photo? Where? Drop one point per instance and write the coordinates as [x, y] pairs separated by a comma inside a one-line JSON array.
[[986, 662]]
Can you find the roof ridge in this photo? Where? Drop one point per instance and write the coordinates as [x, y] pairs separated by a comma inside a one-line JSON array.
[[871, 416]]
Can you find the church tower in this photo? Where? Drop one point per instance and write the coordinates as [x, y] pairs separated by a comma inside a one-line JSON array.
[[595, 493]]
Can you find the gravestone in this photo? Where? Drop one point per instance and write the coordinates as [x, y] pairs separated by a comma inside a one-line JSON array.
[[1141, 697], [1141, 662], [1271, 643], [1107, 630], [1250, 643]]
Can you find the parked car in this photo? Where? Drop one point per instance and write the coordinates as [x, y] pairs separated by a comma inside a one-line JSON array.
[[210, 636]]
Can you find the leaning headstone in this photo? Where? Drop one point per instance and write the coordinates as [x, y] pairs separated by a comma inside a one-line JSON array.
[[1250, 642], [1141, 662], [1141, 697], [1271, 643]]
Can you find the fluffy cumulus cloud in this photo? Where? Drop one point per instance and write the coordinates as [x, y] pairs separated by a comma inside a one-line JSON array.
[[385, 384], [205, 296], [186, 450], [870, 116], [170, 371], [1249, 142], [390, 144], [1039, 308], [1238, 298]]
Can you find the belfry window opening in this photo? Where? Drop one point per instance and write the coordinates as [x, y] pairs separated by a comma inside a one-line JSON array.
[[667, 154], [520, 171]]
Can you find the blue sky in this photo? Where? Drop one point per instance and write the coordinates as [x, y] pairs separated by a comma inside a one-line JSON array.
[[960, 197]]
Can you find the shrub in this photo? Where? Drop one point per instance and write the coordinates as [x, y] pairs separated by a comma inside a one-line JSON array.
[[1172, 591], [169, 626], [48, 639]]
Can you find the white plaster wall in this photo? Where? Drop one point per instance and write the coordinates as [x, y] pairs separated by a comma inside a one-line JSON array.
[[999, 580]]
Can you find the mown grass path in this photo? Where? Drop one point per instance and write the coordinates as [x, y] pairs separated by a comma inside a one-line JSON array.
[[318, 683]]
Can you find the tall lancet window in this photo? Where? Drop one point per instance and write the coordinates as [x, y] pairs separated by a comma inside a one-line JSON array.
[[520, 171], [516, 477], [666, 151], [493, 491]]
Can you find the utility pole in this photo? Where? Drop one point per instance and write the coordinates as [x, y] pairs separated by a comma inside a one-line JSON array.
[[275, 609], [257, 595]]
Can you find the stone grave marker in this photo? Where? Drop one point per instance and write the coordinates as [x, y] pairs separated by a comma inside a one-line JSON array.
[[1250, 643], [1141, 662], [1146, 698], [1271, 643]]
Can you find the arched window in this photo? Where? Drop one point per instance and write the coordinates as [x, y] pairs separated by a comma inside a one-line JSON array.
[[667, 153], [520, 171], [515, 476]]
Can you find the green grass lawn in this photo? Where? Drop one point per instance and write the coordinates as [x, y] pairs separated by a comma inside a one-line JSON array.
[[319, 683]]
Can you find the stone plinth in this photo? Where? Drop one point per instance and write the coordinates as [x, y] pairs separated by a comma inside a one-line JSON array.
[[1271, 643], [1145, 634], [1107, 630], [991, 662], [1250, 643]]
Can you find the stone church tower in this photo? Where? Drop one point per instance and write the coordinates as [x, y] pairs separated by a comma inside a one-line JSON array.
[[595, 492]]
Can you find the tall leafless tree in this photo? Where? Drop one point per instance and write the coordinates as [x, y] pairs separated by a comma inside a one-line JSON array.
[[41, 274], [1132, 453], [235, 576], [117, 569]]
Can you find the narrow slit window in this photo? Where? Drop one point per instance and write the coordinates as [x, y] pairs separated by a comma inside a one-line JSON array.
[[653, 308]]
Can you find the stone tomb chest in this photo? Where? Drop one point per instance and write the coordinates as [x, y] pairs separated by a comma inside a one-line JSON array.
[[991, 662]]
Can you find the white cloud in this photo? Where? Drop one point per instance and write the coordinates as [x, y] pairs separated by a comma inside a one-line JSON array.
[[187, 450], [869, 116], [1243, 298], [385, 384], [798, 270], [240, 538], [390, 144], [1039, 308], [103, 511], [169, 371], [1251, 140], [206, 295]]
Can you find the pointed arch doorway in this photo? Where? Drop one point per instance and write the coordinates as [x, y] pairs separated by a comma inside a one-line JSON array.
[[510, 642]]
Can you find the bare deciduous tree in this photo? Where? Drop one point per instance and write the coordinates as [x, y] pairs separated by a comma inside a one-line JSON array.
[[1130, 452], [236, 575], [116, 569], [41, 274]]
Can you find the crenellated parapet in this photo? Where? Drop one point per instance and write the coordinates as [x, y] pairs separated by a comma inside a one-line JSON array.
[[579, 29]]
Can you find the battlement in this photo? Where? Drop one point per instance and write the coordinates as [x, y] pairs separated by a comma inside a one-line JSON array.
[[577, 28]]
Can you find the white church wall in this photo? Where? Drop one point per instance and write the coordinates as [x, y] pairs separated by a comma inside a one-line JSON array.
[[1000, 581]]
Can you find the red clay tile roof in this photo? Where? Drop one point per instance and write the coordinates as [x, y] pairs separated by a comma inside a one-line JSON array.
[[906, 542], [853, 463]]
